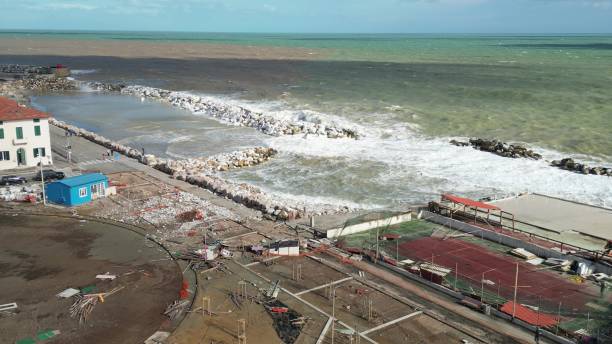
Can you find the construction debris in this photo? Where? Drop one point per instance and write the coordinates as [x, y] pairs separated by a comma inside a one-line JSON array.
[[22, 193], [176, 308], [158, 337], [8, 307], [287, 322], [68, 293], [106, 276], [523, 253], [273, 290], [84, 304]]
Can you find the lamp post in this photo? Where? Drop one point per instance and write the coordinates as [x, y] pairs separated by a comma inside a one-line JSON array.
[[482, 285], [42, 182]]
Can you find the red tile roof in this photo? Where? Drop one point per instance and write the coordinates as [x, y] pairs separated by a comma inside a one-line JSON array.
[[11, 111], [469, 202], [529, 316]]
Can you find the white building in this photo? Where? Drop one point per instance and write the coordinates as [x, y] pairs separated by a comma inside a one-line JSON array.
[[285, 248], [24, 136]]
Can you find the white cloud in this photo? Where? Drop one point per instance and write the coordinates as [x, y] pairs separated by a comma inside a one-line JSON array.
[[64, 5]]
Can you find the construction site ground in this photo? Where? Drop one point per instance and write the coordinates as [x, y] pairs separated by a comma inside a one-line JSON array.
[[41, 255], [182, 217], [308, 293]]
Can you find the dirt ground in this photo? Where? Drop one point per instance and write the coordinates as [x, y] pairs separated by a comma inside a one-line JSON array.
[[40, 256]]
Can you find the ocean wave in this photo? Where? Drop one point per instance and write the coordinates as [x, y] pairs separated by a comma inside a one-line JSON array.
[[271, 124], [436, 166], [83, 71]]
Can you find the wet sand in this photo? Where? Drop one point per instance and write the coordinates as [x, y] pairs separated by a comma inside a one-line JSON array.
[[40, 256]]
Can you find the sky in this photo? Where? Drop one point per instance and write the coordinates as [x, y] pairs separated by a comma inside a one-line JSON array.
[[312, 16]]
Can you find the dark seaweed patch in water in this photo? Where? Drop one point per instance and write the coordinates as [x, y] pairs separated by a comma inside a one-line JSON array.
[[286, 330], [593, 46]]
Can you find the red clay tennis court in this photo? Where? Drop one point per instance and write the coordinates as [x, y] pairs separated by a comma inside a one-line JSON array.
[[472, 260]]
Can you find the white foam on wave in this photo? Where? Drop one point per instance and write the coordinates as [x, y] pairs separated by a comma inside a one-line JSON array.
[[83, 71], [280, 110], [444, 167]]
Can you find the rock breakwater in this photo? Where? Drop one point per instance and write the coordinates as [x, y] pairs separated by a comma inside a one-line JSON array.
[[201, 172], [24, 69], [233, 114], [499, 148], [571, 165]]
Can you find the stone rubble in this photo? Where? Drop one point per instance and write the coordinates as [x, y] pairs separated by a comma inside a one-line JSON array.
[[232, 114], [499, 148], [570, 165]]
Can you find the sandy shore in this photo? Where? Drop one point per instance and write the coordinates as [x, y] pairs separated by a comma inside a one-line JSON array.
[[153, 49]]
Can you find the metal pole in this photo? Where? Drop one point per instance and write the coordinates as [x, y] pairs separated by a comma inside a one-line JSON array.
[[482, 288], [588, 321], [397, 250], [333, 314], [558, 318], [515, 290], [42, 182], [456, 273], [377, 233]]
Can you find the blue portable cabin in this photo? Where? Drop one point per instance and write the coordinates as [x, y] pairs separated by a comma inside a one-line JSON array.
[[77, 190]]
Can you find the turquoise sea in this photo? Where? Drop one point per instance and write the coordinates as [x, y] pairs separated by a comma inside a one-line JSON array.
[[411, 93]]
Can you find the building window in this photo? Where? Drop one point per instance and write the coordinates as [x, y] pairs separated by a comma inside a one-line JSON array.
[[1, 133], [19, 132], [37, 130], [39, 152], [83, 192], [36, 120], [4, 155]]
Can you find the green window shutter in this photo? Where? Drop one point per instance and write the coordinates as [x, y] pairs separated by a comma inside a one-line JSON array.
[[19, 132], [36, 120], [42, 151], [36, 152], [37, 130], [1, 133]]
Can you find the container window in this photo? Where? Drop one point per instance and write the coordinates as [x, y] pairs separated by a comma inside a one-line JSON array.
[[83, 192]]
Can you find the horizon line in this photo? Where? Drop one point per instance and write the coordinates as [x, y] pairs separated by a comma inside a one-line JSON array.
[[24, 30]]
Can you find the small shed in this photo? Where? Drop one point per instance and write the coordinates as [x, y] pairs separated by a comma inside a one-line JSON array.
[[77, 190], [285, 248]]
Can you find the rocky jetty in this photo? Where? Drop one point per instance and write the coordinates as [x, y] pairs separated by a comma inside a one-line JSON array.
[[233, 114], [570, 165], [105, 86], [47, 83], [220, 162], [24, 69], [39, 83], [201, 172], [499, 148]]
